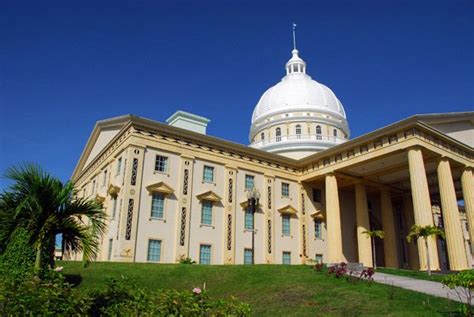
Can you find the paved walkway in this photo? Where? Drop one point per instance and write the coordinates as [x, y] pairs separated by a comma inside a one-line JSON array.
[[422, 286]]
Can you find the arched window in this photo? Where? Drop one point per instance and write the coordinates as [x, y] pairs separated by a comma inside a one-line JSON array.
[[334, 133], [298, 131], [262, 136], [278, 134], [318, 133]]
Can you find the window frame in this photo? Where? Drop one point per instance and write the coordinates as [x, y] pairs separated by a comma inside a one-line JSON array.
[[317, 198], [278, 134], [249, 176], [201, 247], [285, 189], [166, 164], [285, 218], [318, 224], [119, 166], [249, 250], [286, 253], [249, 213], [210, 168], [163, 198], [204, 204], [148, 258]]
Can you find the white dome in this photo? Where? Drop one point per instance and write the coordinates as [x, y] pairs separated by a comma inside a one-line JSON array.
[[297, 92], [298, 116]]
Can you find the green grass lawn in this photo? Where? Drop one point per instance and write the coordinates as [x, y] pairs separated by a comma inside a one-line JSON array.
[[271, 290], [435, 276]]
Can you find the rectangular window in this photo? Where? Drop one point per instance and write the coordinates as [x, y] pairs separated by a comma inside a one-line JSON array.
[[319, 258], [249, 182], [249, 218], [208, 174], [104, 181], [109, 254], [119, 166], [317, 229], [317, 195], [114, 207], [205, 254], [157, 205], [154, 250], [248, 256], [161, 164], [285, 189], [286, 258], [286, 230], [206, 213]]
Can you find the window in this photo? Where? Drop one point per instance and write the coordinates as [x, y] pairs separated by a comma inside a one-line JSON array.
[[278, 134], [318, 234], [93, 186], [114, 207], [286, 257], [248, 256], [317, 195], [286, 230], [208, 174], [109, 254], [161, 164], [206, 213], [157, 205], [319, 258], [318, 133], [262, 136], [249, 182], [104, 180], [119, 166], [249, 218], [154, 250], [205, 254], [298, 131], [285, 189], [334, 133]]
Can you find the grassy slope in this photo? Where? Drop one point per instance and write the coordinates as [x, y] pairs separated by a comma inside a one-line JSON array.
[[272, 290], [435, 277]]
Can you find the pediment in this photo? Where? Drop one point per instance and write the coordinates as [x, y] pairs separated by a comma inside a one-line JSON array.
[[317, 215], [113, 190], [160, 187], [288, 210], [210, 196], [99, 198]]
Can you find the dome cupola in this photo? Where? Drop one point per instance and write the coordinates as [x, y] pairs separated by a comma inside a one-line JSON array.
[[298, 116]]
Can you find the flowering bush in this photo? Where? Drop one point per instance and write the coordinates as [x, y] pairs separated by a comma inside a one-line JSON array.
[[52, 295], [338, 270]]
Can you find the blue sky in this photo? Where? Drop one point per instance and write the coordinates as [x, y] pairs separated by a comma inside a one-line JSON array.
[[64, 65]]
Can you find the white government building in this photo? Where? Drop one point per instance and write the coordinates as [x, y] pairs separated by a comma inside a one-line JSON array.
[[171, 191]]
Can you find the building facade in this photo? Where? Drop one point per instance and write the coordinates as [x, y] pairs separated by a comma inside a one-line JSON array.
[[171, 191]]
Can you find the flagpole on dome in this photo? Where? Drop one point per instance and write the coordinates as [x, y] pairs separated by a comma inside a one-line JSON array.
[[294, 35]]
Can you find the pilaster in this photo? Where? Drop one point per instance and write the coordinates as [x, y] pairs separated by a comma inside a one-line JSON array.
[[184, 210], [230, 203], [467, 182]]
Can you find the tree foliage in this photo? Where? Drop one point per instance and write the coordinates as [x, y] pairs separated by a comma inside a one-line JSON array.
[[45, 207]]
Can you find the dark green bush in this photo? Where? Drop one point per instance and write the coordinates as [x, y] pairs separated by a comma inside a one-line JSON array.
[[19, 257], [53, 296]]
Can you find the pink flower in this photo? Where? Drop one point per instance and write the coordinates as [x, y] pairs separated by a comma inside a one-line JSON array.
[[197, 290], [58, 269]]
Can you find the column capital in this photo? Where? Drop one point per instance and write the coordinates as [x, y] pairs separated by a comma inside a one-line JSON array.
[[414, 147]]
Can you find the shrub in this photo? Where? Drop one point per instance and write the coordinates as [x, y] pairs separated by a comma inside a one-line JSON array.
[[463, 285], [186, 260], [19, 257], [31, 296]]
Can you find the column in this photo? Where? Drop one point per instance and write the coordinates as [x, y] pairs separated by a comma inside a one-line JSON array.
[[452, 222], [468, 196], [333, 221], [364, 242], [388, 224], [409, 221], [422, 206]]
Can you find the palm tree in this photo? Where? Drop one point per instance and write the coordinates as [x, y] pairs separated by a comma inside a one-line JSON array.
[[45, 207], [425, 232], [372, 234]]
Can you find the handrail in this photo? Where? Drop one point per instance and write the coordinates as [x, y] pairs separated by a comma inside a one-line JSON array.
[[299, 137]]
